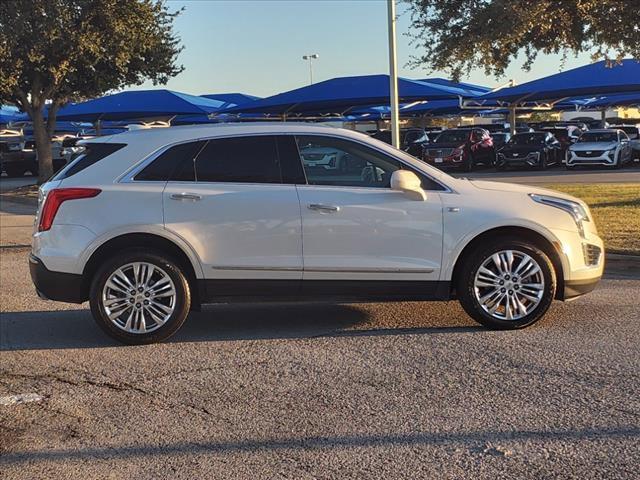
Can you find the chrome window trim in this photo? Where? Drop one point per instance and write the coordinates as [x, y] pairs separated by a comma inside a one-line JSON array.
[[129, 174]]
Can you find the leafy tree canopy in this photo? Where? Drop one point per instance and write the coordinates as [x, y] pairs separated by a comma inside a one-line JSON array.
[[458, 36], [69, 50]]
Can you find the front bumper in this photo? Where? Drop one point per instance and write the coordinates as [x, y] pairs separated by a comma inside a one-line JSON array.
[[447, 161], [576, 288], [604, 159], [62, 287], [530, 160]]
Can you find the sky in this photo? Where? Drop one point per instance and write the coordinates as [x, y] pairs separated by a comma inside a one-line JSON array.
[[256, 46]]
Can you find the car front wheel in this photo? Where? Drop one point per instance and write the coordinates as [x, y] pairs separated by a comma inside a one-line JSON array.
[[507, 285], [140, 297]]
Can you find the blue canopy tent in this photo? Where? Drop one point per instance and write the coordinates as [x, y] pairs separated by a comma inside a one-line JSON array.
[[139, 104], [231, 99], [608, 101], [588, 80], [471, 89], [228, 100], [423, 108], [340, 95], [9, 114], [598, 78]]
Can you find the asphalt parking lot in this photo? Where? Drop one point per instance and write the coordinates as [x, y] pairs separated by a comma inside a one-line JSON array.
[[398, 390]]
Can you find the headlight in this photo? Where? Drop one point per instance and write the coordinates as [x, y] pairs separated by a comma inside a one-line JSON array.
[[576, 210]]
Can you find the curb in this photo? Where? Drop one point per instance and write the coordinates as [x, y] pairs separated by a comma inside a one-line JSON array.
[[616, 262]]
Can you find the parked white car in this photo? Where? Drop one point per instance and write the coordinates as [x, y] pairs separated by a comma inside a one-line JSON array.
[[608, 147], [147, 225]]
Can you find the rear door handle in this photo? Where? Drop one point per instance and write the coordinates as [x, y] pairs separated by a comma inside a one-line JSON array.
[[323, 208], [186, 196]]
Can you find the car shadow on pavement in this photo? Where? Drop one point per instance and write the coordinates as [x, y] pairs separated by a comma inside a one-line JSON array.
[[62, 329], [475, 441]]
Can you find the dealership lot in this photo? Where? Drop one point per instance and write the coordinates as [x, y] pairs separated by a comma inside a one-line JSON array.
[[322, 391]]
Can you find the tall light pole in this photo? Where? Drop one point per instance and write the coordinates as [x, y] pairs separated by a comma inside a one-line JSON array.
[[393, 74], [311, 58]]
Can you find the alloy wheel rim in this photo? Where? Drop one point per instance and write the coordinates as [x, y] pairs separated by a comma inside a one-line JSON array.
[[509, 285], [139, 297]]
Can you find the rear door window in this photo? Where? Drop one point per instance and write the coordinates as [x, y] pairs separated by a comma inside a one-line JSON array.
[[252, 159]]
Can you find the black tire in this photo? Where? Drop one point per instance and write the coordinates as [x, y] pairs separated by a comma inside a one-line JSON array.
[[467, 164], [14, 171], [543, 162], [182, 298], [619, 163], [466, 291]]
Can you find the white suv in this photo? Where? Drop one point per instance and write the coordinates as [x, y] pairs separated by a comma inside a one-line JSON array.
[[147, 225]]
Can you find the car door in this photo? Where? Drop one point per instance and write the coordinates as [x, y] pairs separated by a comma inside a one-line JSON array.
[[355, 228], [623, 139], [228, 200]]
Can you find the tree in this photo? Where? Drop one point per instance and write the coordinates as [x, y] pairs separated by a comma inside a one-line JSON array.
[[458, 36], [56, 51]]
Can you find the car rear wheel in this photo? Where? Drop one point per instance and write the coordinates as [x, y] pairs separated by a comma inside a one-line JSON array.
[[507, 285], [140, 297]]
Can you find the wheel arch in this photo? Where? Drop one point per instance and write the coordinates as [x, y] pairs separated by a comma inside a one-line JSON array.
[[149, 241], [543, 243]]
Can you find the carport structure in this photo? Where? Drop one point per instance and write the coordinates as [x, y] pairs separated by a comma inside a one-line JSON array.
[[139, 105], [596, 79], [338, 97]]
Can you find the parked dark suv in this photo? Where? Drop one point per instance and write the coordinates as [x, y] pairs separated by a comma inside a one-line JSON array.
[[461, 148], [567, 135], [412, 140], [533, 150]]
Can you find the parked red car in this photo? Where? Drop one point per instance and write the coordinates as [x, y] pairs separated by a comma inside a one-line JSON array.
[[463, 148]]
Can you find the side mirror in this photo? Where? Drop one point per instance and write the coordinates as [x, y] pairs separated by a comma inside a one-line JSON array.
[[408, 183]]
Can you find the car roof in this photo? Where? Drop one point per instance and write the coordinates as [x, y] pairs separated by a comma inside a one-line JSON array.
[[602, 130], [170, 135]]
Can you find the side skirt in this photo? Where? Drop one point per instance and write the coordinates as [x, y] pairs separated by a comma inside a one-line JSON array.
[[229, 291]]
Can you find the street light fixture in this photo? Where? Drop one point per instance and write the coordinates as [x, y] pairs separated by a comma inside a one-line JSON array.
[[311, 58]]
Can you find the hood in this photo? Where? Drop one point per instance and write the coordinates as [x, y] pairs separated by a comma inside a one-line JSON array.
[[581, 147], [516, 188], [521, 149], [444, 145]]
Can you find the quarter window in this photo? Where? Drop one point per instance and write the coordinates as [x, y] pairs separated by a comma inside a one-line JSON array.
[[176, 164]]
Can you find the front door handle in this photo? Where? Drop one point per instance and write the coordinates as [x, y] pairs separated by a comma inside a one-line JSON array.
[[186, 196], [323, 208]]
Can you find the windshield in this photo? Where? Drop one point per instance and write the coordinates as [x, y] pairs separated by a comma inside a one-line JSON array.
[[598, 137], [527, 139], [453, 136]]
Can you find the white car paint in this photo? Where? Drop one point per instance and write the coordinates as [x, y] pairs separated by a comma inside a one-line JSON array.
[[256, 231]]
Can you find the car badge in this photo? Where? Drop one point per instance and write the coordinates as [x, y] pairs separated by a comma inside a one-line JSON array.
[[516, 154], [588, 153]]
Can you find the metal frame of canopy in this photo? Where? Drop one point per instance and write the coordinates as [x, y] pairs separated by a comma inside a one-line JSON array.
[[544, 95]]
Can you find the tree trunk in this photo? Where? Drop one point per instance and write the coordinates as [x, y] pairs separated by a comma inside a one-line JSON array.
[[43, 147]]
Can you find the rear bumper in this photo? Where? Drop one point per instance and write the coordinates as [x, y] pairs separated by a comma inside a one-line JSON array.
[[62, 287]]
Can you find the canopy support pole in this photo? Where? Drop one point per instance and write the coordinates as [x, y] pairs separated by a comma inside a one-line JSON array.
[[603, 118], [98, 127], [512, 119], [393, 74]]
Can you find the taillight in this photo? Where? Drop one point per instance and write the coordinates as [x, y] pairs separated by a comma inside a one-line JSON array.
[[56, 197]]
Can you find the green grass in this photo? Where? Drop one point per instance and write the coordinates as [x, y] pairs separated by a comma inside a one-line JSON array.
[[616, 211]]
